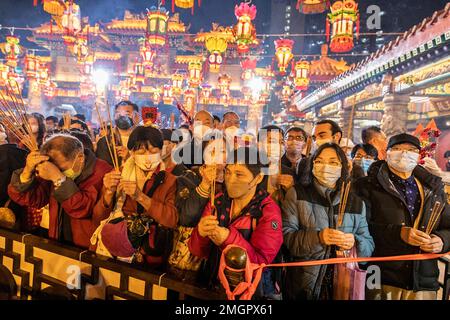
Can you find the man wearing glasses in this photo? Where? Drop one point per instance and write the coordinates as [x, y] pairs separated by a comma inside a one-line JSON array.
[[400, 196], [295, 140]]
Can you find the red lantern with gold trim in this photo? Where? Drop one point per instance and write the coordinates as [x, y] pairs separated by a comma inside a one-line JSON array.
[[283, 53], [244, 30], [301, 75], [344, 16], [312, 6], [184, 4], [157, 23]]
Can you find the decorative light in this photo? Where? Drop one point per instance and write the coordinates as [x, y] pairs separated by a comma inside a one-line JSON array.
[[31, 66], [167, 94], [4, 71], [147, 55], [342, 18], [312, 6], [71, 19], [283, 53], [301, 75], [139, 72], [190, 100], [206, 93], [248, 69], [100, 77], [156, 96], [156, 34], [195, 73], [81, 49], [177, 84], [244, 30], [184, 4], [12, 50], [286, 93], [224, 82]]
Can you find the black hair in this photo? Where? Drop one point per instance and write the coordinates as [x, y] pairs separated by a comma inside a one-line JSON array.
[[80, 116], [84, 138], [41, 127], [367, 133], [52, 118], [77, 121], [447, 154], [216, 118], [143, 137], [127, 103], [307, 178], [297, 129], [167, 135], [270, 128], [368, 148], [68, 145], [335, 128], [248, 156]]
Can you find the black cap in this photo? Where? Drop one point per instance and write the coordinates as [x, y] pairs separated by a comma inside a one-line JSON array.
[[404, 138]]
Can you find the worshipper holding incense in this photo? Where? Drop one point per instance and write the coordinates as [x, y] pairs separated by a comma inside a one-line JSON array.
[[68, 178], [126, 117], [310, 220], [245, 216], [408, 213]]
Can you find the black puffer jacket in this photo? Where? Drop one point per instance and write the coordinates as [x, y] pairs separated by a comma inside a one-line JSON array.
[[387, 213]]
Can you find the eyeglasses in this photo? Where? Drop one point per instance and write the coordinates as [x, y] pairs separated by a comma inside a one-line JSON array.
[[331, 163], [415, 150], [295, 138]]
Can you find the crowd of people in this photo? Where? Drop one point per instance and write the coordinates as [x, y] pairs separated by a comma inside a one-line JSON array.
[[176, 199]]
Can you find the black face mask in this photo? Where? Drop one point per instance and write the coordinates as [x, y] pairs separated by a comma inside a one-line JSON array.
[[124, 122]]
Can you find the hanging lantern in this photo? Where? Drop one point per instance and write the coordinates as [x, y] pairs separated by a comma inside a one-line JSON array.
[[343, 17], [286, 93], [190, 100], [87, 66], [71, 19], [31, 66], [156, 34], [224, 84], [139, 73], [216, 46], [195, 73], [301, 75], [43, 74], [244, 30], [167, 94], [248, 69], [206, 93], [4, 71], [177, 84], [312, 6], [184, 4], [147, 55], [81, 49], [283, 53], [54, 7], [156, 96], [12, 50]]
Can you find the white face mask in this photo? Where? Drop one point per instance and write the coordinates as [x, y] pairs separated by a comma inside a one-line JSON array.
[[34, 128], [200, 131], [3, 138], [402, 161], [319, 142], [327, 175], [147, 162], [274, 152], [232, 131]]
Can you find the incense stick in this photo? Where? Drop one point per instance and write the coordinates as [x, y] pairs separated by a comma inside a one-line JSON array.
[[104, 127], [113, 135], [343, 203], [436, 213]]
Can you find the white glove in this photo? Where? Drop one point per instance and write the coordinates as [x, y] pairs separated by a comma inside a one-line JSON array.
[[431, 166]]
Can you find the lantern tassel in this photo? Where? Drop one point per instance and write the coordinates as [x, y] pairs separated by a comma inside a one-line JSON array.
[[35, 3], [199, 3], [192, 9], [173, 6], [328, 29], [357, 26], [298, 5]]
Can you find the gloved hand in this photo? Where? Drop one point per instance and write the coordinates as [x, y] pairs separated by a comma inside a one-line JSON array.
[[431, 166]]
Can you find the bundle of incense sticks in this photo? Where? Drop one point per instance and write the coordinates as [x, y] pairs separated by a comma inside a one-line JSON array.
[[14, 115], [112, 146], [436, 213], [345, 190], [67, 119], [213, 182], [308, 146]]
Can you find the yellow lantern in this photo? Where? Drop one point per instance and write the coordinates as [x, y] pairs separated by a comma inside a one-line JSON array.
[[81, 49], [244, 30], [177, 84], [216, 46], [343, 17], [31, 66], [195, 73], [12, 50], [286, 93], [301, 75], [190, 100], [4, 71], [156, 96], [224, 84], [71, 19], [156, 33], [283, 53], [184, 4]]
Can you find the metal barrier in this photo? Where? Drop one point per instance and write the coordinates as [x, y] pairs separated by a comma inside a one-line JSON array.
[[32, 267]]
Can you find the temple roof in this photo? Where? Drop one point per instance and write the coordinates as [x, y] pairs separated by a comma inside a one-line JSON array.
[[327, 67]]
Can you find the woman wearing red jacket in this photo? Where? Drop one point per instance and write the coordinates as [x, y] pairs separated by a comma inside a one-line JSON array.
[[245, 216]]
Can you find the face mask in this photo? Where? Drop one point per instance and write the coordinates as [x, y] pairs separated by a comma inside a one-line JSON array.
[[239, 189], [3, 138], [274, 152], [319, 142], [200, 131], [70, 173], [402, 161], [164, 153], [365, 164], [232, 131], [147, 162], [327, 175], [124, 122], [34, 128]]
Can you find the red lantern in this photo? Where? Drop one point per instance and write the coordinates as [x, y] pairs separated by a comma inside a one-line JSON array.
[[184, 4], [301, 75], [312, 6], [343, 17], [244, 30], [156, 34], [283, 53], [248, 66]]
